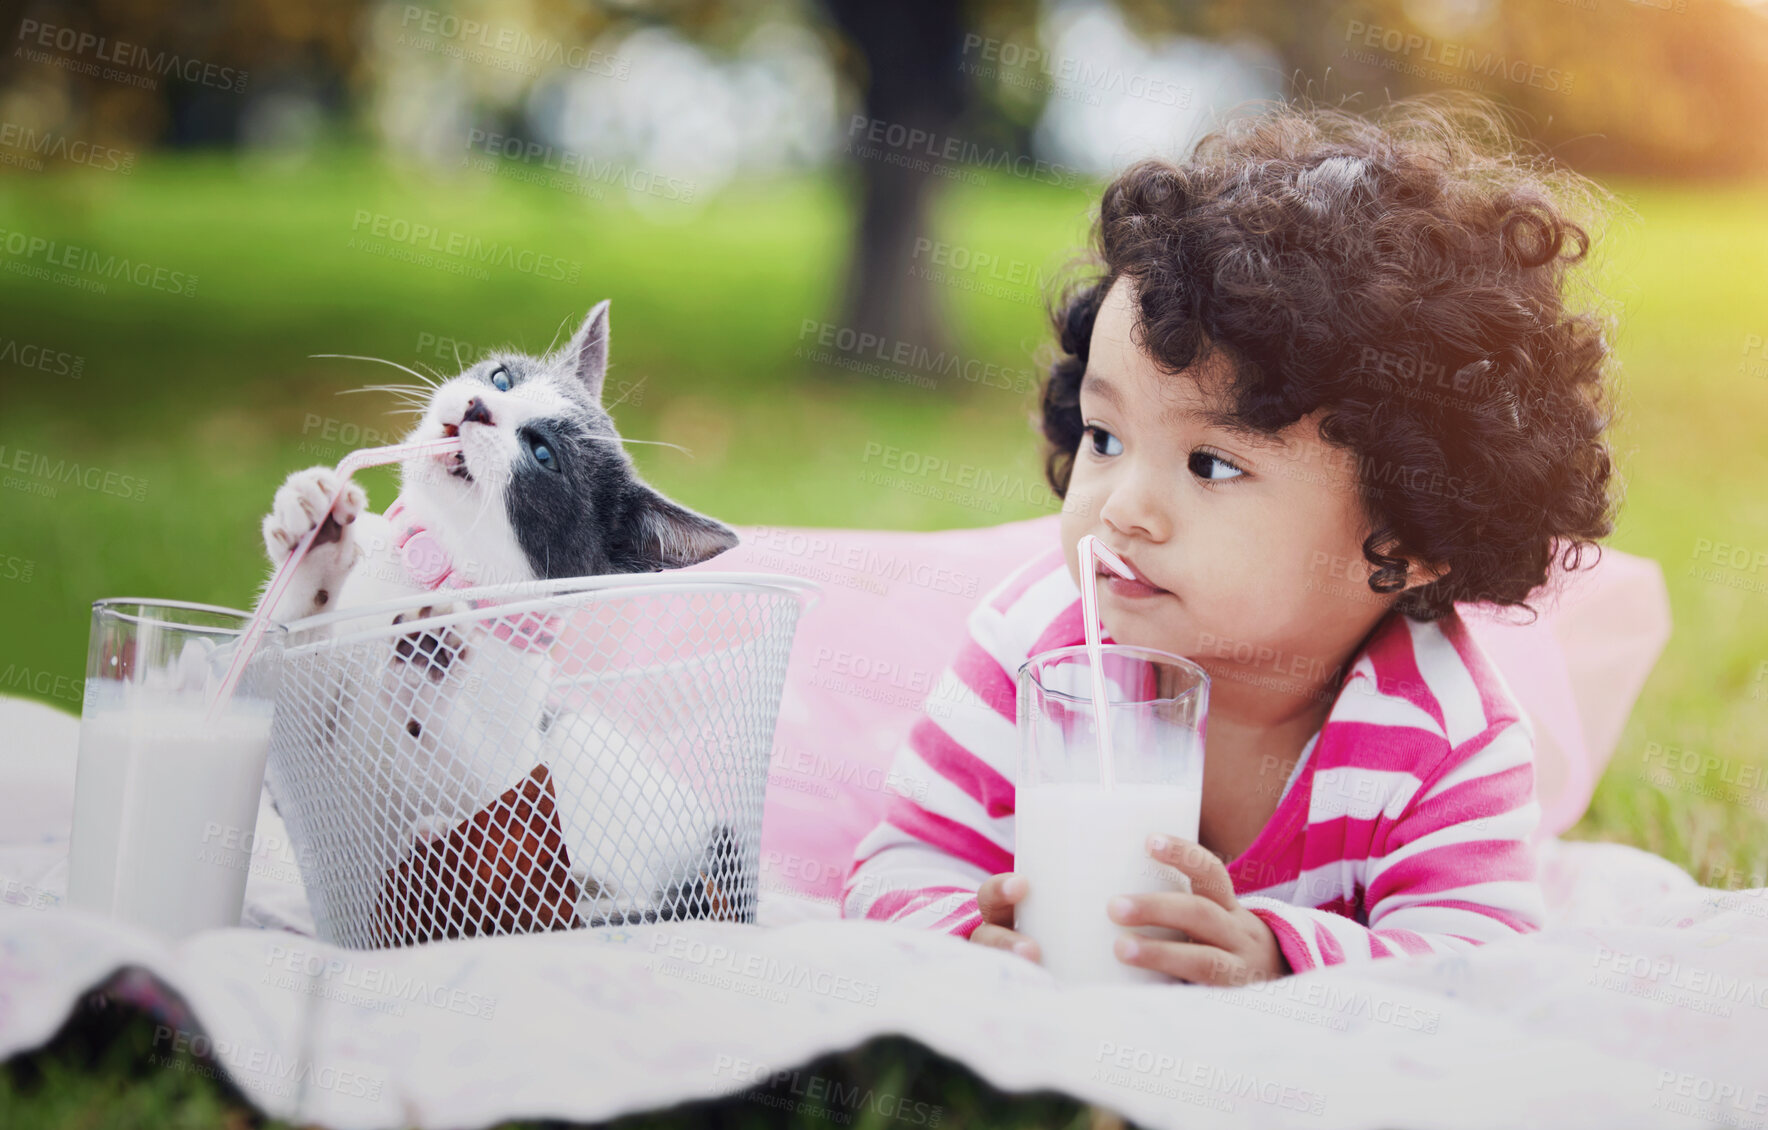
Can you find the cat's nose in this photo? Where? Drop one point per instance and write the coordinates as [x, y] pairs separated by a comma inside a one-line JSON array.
[[477, 413]]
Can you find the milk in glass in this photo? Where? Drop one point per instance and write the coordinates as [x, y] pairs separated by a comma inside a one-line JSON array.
[[1078, 844], [166, 802]]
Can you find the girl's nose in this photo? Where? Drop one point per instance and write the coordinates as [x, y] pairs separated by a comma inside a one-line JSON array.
[[1133, 508]]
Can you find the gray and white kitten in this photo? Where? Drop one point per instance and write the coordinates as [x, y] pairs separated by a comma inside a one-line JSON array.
[[542, 488]]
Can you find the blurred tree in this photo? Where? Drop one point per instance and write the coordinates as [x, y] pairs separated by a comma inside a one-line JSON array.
[[909, 55]]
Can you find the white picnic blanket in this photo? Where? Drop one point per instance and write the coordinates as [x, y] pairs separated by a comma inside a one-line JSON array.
[[1644, 1004]]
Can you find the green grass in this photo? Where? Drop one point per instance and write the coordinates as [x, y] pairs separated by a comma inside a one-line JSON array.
[[1690, 452], [207, 400]]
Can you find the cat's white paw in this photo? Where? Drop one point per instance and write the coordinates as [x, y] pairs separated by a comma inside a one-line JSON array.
[[430, 653], [300, 505]]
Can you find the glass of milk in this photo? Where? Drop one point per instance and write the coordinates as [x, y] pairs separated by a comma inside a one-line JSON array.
[[165, 799], [1079, 841]]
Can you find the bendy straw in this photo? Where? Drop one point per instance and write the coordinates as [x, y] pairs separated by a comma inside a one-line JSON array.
[[279, 583], [1090, 548]]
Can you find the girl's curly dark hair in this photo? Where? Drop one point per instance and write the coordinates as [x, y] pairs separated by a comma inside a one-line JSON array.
[[1404, 272]]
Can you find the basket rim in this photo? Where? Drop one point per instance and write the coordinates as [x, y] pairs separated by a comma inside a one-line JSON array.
[[543, 592]]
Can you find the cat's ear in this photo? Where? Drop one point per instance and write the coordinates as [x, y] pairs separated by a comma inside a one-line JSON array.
[[668, 535], [587, 356]]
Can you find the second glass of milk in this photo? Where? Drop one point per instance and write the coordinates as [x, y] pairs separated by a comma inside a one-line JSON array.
[[1079, 841], [166, 797]]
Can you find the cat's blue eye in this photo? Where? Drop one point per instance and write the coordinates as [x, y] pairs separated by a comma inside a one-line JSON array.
[[500, 377], [540, 449]]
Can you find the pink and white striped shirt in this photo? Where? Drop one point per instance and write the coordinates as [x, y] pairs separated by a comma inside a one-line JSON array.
[[1403, 829]]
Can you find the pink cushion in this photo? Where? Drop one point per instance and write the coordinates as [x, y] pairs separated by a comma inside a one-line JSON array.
[[892, 614]]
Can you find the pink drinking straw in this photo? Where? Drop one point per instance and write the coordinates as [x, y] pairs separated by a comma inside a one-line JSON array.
[[348, 466], [1089, 548]]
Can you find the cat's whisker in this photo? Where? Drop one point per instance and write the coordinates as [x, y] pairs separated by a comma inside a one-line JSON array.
[[400, 390], [641, 383], [658, 442], [485, 498], [555, 337], [406, 402], [381, 361], [407, 387]]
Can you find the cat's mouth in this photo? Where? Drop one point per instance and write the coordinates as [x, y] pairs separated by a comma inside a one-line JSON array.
[[457, 461]]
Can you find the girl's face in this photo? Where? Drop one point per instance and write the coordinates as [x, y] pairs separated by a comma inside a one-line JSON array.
[[1253, 544]]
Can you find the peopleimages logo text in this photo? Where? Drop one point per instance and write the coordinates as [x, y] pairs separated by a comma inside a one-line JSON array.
[[72, 257], [69, 472], [583, 166], [911, 141], [463, 246], [133, 56], [1458, 57], [514, 41], [47, 143]]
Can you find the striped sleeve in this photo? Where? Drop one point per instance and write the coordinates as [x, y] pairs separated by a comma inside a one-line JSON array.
[[1454, 871], [950, 824]]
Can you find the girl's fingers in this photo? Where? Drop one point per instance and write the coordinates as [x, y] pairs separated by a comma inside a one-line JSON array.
[[1188, 961], [1208, 876], [1197, 916], [1002, 938], [998, 895]]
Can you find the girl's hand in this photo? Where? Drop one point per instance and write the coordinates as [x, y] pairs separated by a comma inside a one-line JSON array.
[[1233, 945], [996, 898]]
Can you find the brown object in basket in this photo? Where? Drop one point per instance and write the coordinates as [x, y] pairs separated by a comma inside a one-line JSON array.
[[504, 870]]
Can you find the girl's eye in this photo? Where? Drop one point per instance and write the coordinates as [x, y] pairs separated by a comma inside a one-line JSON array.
[[1210, 467], [500, 377], [1100, 433]]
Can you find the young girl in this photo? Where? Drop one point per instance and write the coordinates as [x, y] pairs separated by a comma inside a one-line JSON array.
[[1325, 388]]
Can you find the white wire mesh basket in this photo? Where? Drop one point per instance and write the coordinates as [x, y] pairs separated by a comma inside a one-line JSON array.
[[539, 756]]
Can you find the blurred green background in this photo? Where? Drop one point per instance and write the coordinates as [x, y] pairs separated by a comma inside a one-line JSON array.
[[736, 255]]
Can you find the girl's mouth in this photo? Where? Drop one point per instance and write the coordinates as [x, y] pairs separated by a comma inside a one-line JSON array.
[[1130, 590], [1137, 589]]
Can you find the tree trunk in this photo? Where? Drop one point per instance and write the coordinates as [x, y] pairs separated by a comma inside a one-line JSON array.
[[912, 51]]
